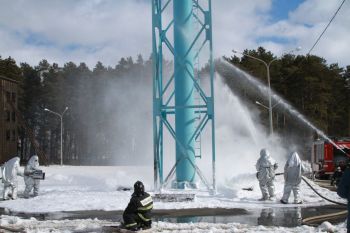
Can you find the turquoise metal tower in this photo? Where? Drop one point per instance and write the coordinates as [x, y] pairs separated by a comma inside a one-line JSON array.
[[180, 104]]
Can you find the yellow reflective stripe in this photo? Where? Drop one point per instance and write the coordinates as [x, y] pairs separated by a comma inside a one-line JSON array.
[[143, 218], [146, 207], [131, 224], [146, 201]]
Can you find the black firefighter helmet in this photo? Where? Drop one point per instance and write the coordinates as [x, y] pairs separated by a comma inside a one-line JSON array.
[[139, 188]]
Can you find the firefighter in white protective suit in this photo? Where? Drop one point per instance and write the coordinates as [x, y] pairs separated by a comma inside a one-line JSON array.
[[266, 167], [293, 171], [30, 182], [10, 171]]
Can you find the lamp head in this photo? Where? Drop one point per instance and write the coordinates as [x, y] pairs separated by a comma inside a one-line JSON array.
[[45, 109]]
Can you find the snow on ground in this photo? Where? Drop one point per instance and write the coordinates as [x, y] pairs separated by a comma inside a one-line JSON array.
[[74, 188], [95, 225], [71, 188]]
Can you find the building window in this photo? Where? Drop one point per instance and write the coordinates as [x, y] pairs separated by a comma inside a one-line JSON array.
[[8, 96], [13, 97], [13, 135], [8, 115], [8, 136], [14, 116]]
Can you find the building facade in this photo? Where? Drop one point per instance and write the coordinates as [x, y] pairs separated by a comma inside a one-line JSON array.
[[8, 119]]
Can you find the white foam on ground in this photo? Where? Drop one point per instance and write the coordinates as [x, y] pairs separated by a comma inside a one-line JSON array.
[[71, 188], [95, 225], [74, 188]]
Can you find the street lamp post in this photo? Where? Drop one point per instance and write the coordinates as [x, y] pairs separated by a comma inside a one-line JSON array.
[[262, 105], [267, 65], [61, 118]]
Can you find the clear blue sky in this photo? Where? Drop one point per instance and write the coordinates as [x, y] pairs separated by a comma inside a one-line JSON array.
[[280, 8]]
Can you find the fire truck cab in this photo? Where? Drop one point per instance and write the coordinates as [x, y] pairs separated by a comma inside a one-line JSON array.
[[326, 156]]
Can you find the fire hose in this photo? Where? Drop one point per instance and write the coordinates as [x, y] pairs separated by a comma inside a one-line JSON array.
[[325, 217], [313, 189], [327, 199], [314, 219]]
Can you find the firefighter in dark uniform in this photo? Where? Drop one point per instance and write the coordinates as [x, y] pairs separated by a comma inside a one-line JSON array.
[[137, 214], [336, 177], [344, 191]]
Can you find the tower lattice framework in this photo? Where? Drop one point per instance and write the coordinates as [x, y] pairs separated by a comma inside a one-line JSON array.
[[183, 107]]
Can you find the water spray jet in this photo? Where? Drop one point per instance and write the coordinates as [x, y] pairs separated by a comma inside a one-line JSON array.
[[278, 99]]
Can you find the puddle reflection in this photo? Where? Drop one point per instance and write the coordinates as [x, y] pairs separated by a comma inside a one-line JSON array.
[[286, 217]]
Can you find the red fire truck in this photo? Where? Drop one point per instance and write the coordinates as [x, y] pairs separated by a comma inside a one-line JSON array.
[[326, 157]]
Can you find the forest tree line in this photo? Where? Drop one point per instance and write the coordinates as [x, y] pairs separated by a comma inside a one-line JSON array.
[[104, 116]]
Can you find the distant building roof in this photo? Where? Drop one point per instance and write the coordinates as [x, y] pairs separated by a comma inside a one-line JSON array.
[[8, 79]]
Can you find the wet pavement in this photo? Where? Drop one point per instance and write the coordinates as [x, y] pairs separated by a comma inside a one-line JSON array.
[[286, 217]]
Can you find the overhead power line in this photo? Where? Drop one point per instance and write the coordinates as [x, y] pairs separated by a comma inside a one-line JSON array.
[[326, 27]]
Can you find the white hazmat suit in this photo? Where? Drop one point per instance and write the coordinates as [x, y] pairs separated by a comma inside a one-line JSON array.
[[266, 167], [31, 183], [293, 170], [10, 171]]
